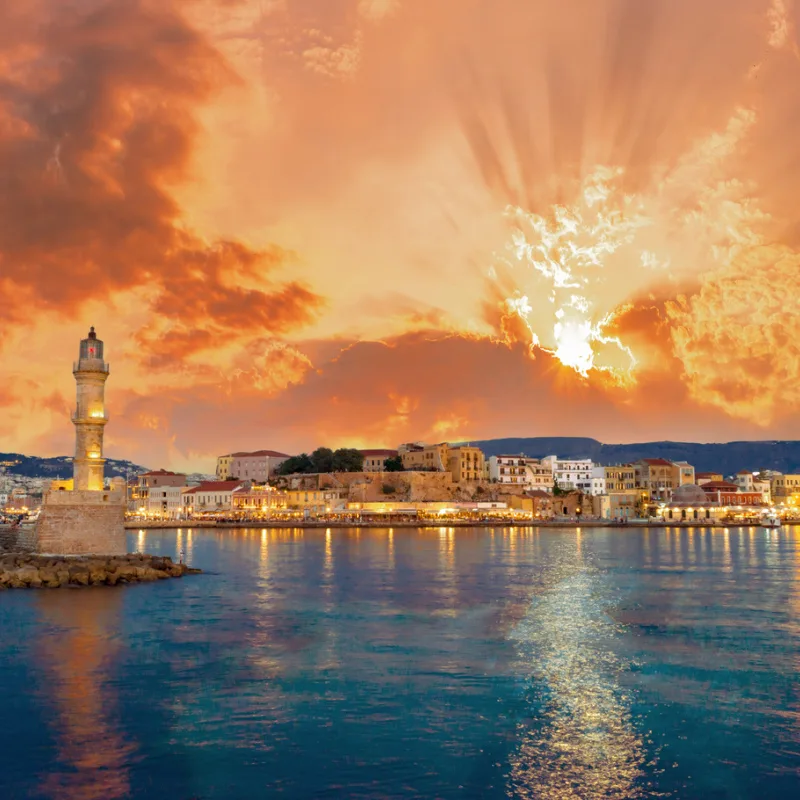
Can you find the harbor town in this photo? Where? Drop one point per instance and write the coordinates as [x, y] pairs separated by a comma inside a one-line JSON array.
[[432, 484]]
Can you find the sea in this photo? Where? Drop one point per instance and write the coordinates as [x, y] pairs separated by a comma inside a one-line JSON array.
[[415, 663]]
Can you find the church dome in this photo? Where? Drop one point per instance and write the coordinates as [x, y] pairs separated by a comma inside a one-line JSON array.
[[690, 494]]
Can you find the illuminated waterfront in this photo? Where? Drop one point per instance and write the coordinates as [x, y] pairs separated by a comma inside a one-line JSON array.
[[416, 663]]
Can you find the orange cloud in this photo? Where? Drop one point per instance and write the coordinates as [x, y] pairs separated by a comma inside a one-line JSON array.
[[359, 221], [97, 124]]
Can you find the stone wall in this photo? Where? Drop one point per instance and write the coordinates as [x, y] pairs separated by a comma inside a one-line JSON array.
[[80, 523]]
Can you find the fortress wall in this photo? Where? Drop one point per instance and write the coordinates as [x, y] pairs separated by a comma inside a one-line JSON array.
[[82, 522]]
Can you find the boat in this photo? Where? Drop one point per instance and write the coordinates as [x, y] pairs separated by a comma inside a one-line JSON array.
[[771, 520]]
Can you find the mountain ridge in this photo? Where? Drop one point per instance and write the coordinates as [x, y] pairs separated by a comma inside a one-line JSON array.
[[60, 467], [725, 457]]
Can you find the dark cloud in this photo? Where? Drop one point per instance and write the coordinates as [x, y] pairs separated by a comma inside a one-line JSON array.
[[97, 125]]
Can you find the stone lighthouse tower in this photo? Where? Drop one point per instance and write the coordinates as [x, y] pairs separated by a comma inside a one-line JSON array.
[[91, 373], [90, 518]]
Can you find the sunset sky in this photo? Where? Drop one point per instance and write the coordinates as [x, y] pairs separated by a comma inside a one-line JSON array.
[[362, 222]]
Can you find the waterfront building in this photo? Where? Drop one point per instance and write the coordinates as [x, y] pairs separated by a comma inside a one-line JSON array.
[[754, 482], [163, 502], [209, 496], [258, 499], [624, 505], [536, 502], [317, 501], [90, 517], [714, 500], [785, 489], [660, 477], [522, 471], [147, 482], [726, 493], [620, 478], [259, 466], [374, 460], [571, 473]]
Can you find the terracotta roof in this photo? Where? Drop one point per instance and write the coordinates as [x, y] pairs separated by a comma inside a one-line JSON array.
[[214, 486], [721, 486], [270, 453], [378, 452], [744, 472], [538, 493], [657, 462]]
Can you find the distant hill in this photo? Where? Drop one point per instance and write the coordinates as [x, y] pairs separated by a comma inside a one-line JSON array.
[[59, 467], [727, 458]]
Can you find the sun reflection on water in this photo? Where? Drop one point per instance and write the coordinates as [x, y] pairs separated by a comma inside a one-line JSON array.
[[581, 740]]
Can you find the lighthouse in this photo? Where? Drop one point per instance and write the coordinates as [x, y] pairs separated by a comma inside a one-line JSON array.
[[91, 374], [89, 519]]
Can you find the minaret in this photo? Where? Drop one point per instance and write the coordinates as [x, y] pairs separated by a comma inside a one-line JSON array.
[[91, 373]]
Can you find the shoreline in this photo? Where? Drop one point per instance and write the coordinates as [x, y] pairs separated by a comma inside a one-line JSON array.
[[278, 525]]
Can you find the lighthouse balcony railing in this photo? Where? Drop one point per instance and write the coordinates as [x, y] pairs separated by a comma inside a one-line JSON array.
[[90, 365], [94, 417]]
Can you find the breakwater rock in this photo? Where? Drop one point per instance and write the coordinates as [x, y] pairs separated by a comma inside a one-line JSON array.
[[27, 571]]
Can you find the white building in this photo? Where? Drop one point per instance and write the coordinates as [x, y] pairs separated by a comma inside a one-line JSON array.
[[527, 473], [258, 466], [572, 473], [164, 501], [598, 481], [209, 497], [374, 459], [753, 482]]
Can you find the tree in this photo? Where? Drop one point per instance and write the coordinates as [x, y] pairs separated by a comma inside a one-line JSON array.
[[557, 490], [394, 464], [296, 464], [346, 459], [323, 459]]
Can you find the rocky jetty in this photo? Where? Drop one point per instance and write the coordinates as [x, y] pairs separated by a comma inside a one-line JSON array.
[[27, 571]]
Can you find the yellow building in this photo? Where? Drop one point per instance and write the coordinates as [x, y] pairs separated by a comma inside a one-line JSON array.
[[424, 457], [259, 499], [620, 478], [224, 467], [62, 486], [319, 501], [466, 464], [785, 489]]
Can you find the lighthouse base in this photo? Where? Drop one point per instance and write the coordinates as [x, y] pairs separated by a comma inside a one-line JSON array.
[[81, 523]]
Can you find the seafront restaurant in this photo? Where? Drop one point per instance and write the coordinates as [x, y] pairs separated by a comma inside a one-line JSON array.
[[432, 511], [716, 500]]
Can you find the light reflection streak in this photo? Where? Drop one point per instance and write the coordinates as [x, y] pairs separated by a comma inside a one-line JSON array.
[[92, 751], [584, 743], [141, 541]]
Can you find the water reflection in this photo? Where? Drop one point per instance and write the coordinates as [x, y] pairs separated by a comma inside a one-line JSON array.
[[581, 741], [77, 660]]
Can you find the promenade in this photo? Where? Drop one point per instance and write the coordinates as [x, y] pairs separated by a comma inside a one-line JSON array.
[[429, 523]]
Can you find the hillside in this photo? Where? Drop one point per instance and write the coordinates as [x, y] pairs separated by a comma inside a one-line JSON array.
[[727, 458], [59, 467]]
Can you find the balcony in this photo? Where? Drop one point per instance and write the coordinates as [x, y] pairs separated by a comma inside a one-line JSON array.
[[90, 365], [96, 418]]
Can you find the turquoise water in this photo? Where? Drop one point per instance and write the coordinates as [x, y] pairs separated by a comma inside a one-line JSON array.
[[441, 663]]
